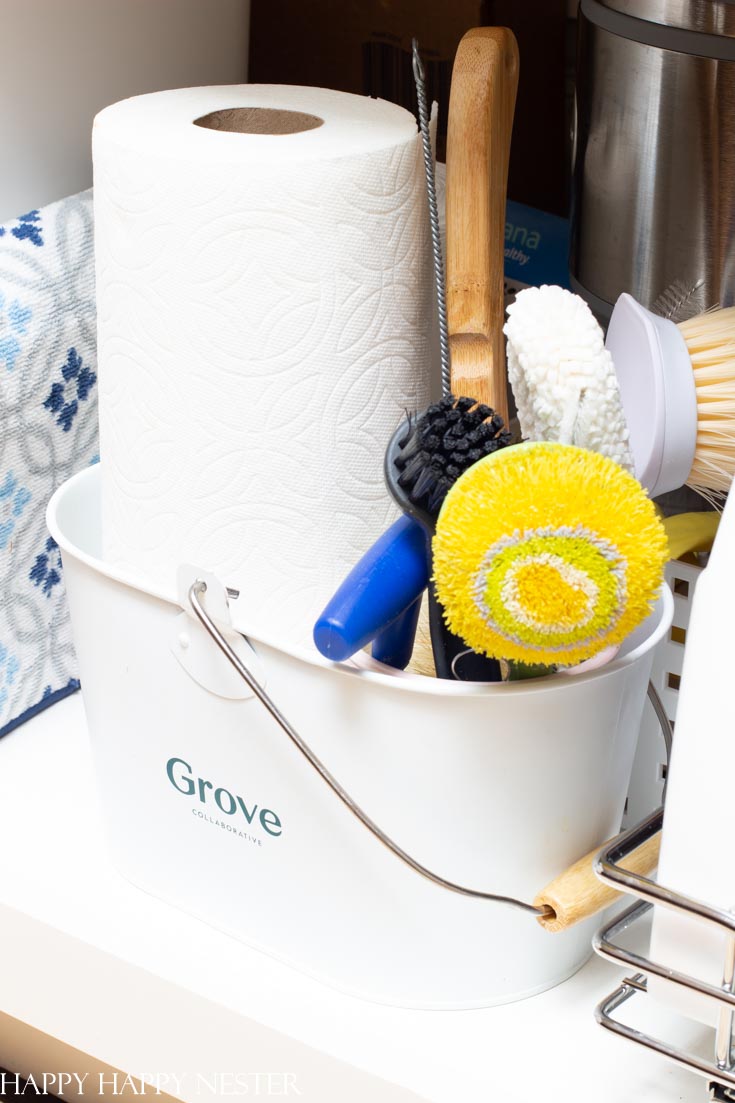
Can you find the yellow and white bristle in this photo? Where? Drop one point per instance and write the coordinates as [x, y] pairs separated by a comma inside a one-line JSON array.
[[547, 553]]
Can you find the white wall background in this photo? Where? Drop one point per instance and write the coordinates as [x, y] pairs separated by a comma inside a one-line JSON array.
[[61, 61]]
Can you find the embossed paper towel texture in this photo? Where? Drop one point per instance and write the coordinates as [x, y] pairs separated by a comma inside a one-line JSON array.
[[260, 336]]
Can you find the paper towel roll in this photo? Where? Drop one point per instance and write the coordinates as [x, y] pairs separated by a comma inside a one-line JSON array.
[[265, 319]]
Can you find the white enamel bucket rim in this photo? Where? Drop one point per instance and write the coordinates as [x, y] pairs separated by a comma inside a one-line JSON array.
[[361, 665]]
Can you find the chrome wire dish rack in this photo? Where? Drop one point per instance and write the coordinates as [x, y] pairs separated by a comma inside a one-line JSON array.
[[609, 866]]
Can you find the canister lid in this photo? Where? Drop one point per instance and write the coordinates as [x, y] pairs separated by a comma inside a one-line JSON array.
[[713, 17]]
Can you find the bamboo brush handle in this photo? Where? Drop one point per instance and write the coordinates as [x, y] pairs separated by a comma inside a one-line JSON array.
[[481, 106], [577, 893]]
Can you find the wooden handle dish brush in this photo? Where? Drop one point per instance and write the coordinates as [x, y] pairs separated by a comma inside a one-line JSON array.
[[481, 106]]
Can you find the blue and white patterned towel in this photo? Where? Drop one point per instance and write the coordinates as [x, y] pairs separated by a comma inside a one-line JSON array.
[[48, 430]]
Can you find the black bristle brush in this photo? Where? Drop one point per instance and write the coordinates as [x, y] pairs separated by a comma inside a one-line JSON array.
[[380, 597], [431, 450], [425, 457]]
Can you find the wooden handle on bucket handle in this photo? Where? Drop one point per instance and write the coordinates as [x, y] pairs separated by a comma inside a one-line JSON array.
[[481, 106], [577, 893]]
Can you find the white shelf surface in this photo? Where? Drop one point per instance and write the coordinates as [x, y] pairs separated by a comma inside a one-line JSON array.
[[93, 961]]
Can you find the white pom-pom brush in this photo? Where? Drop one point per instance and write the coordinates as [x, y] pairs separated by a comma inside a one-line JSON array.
[[562, 376]]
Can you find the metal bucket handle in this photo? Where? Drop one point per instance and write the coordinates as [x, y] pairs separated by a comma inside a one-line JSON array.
[[543, 912]]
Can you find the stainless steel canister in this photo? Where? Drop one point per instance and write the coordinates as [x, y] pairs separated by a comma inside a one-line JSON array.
[[654, 172]]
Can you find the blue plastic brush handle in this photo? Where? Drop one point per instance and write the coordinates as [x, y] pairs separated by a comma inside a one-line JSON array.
[[388, 579], [394, 645]]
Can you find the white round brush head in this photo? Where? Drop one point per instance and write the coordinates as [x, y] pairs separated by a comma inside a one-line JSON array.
[[658, 394], [562, 376]]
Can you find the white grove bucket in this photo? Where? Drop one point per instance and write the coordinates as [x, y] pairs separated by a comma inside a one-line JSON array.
[[210, 807]]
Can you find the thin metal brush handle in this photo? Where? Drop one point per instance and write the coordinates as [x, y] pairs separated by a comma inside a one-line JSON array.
[[436, 242]]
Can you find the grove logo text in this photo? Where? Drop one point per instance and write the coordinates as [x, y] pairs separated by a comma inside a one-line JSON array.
[[181, 776]]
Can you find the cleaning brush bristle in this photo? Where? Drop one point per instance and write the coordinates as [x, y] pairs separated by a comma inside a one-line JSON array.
[[562, 376], [547, 553], [676, 302], [441, 444], [710, 341]]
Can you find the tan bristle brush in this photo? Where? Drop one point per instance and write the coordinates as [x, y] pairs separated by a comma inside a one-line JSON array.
[[677, 388], [710, 339]]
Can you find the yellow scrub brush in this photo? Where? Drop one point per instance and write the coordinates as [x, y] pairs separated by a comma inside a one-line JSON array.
[[547, 553]]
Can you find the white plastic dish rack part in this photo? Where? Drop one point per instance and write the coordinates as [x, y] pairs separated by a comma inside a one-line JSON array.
[[645, 792], [694, 987], [208, 806]]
